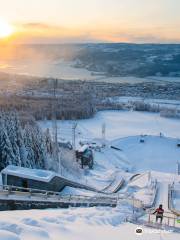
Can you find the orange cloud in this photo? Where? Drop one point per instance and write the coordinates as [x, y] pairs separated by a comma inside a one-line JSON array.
[[37, 32]]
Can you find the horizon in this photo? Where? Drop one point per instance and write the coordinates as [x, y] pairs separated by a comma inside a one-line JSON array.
[[90, 43], [95, 21]]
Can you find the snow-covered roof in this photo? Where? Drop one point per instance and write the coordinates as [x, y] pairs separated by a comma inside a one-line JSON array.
[[83, 148], [35, 174]]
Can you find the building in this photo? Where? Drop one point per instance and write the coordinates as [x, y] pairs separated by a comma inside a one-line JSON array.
[[37, 179]]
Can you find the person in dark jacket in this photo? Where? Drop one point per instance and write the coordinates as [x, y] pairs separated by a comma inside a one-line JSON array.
[[159, 213]]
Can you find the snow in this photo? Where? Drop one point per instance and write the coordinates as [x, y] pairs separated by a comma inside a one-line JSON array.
[[162, 197], [176, 196], [115, 184], [83, 148], [157, 153], [175, 104], [145, 195], [176, 186], [0, 179], [74, 191], [141, 181], [118, 124], [36, 174], [143, 188], [6, 235], [72, 224], [176, 203], [123, 129]]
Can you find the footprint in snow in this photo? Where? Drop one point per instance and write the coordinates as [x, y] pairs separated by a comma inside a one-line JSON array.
[[6, 235], [31, 222], [10, 227]]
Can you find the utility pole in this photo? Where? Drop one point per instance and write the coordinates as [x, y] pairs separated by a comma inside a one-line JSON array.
[[74, 139], [55, 110], [104, 133]]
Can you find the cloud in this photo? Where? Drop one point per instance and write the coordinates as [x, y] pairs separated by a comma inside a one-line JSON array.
[[36, 25], [38, 32]]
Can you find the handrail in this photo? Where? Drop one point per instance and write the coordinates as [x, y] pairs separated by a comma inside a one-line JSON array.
[[170, 200], [43, 194], [165, 217], [47, 194]]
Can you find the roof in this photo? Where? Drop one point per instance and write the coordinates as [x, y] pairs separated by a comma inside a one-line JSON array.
[[35, 174], [83, 148]]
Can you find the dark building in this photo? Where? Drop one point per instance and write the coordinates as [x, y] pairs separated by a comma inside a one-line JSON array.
[[85, 155]]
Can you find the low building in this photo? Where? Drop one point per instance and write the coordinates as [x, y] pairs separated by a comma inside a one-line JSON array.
[[37, 179]]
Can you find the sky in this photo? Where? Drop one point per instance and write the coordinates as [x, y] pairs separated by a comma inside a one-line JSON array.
[[54, 21]]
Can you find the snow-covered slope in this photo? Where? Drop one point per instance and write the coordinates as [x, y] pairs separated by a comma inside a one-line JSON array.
[[75, 224], [118, 124], [159, 154], [123, 130], [156, 153]]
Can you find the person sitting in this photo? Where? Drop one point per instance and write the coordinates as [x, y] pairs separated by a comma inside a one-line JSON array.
[[159, 213]]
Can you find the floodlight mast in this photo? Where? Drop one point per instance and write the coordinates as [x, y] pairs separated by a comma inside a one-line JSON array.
[[57, 157]]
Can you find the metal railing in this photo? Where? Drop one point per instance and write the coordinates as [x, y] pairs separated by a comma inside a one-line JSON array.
[[171, 191], [31, 194], [169, 219], [15, 192]]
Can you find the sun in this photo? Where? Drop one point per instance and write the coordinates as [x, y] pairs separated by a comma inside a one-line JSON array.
[[6, 30]]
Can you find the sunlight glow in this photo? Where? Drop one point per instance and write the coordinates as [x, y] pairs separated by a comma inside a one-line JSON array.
[[6, 29]]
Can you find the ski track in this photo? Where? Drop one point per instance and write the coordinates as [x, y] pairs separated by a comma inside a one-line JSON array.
[[162, 195]]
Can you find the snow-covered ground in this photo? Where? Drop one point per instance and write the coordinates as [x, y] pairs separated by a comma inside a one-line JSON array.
[[119, 124], [75, 224], [123, 130], [156, 153], [174, 104], [176, 197]]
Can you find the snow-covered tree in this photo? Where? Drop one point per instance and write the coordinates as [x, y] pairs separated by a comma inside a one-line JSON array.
[[6, 150], [22, 146], [28, 142], [48, 141], [35, 147]]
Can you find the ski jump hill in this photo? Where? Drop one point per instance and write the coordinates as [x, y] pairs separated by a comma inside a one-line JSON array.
[[24, 188]]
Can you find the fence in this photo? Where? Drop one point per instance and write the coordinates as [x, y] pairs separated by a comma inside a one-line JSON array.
[[169, 219], [17, 193], [171, 194]]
